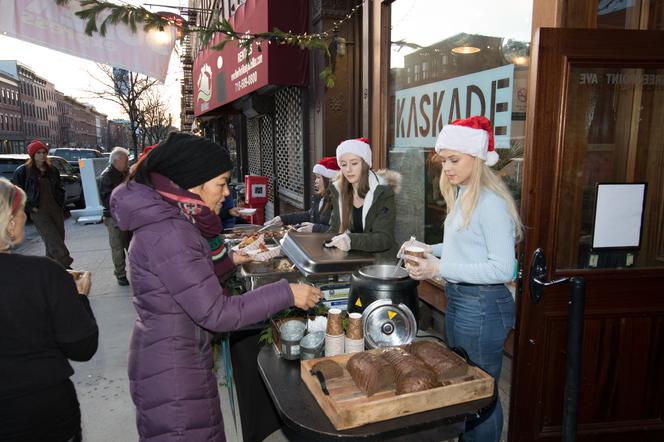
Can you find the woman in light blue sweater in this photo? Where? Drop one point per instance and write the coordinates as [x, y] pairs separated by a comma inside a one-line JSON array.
[[476, 257]]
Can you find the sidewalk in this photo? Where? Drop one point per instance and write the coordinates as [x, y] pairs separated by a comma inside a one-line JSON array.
[[108, 413]]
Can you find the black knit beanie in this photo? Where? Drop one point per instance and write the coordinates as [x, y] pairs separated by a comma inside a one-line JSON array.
[[188, 160]]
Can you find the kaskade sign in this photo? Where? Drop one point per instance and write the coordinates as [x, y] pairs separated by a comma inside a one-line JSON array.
[[421, 112]]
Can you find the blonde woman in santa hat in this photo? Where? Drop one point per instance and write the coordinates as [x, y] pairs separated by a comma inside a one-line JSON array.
[[363, 206], [46, 198], [316, 219], [477, 255]]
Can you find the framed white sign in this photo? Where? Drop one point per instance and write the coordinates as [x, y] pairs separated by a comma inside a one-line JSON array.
[[619, 211]]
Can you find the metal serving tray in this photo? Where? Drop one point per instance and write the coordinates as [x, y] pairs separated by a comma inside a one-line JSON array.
[[261, 273], [309, 254]]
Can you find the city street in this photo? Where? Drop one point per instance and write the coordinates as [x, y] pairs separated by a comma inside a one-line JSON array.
[[101, 383]]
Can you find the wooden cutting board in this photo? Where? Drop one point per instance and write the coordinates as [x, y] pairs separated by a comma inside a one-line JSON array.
[[348, 407]]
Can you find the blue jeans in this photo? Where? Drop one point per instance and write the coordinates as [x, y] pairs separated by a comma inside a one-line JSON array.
[[478, 319]]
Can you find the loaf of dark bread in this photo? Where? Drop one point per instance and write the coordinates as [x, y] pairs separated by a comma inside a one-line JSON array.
[[412, 374], [444, 362], [370, 372], [330, 369]]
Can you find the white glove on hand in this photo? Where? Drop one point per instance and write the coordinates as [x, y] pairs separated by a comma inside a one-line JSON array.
[[306, 227], [341, 242], [276, 221], [413, 243], [423, 268]]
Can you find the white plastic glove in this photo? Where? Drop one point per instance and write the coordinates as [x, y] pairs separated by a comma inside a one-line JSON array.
[[306, 227], [276, 221], [423, 268], [412, 242], [341, 242]]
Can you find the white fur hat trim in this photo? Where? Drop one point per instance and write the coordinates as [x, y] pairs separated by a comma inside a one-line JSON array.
[[356, 147], [467, 140], [324, 171]]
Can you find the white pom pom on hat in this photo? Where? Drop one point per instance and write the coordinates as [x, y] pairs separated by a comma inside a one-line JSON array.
[[358, 146], [472, 136]]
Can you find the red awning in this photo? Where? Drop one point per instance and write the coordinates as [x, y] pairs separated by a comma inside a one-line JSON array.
[[221, 77]]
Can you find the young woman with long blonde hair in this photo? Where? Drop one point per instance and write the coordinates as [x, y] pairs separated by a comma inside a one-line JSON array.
[[477, 256]]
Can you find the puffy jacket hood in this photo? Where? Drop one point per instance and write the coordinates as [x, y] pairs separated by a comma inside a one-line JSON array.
[[136, 205]]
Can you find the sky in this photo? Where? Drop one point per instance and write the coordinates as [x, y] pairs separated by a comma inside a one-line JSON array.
[[72, 75]]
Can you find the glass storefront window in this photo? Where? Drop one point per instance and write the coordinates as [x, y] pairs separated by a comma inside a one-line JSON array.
[[613, 134], [630, 14], [448, 62]]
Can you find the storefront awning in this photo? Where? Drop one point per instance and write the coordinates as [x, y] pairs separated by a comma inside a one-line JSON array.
[[221, 77]]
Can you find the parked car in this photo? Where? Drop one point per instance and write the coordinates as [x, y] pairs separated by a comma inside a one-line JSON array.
[[73, 154], [70, 178]]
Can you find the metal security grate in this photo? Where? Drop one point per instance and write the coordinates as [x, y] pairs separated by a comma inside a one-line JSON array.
[[267, 153], [254, 146], [289, 146]]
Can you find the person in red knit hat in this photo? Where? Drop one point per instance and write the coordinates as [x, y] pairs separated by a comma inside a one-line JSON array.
[[317, 218], [46, 199]]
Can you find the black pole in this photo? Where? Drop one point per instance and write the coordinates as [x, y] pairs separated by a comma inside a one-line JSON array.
[[574, 344]]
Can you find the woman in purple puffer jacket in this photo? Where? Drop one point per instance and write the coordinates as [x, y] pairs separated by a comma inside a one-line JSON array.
[[171, 204]]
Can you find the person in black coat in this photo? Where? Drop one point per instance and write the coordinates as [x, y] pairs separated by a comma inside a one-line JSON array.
[[110, 178], [45, 321], [45, 201], [316, 219]]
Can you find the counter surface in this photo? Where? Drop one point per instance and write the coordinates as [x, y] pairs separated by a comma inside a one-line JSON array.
[[307, 421]]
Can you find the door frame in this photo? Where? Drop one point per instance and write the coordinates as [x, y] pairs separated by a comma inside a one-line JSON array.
[[553, 52]]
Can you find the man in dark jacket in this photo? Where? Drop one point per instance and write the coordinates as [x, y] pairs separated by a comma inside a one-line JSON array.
[[110, 178]]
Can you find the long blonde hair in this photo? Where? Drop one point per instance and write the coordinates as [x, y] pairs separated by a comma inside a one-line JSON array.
[[8, 194], [481, 176]]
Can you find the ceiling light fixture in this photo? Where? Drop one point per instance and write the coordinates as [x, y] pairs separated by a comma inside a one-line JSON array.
[[466, 50]]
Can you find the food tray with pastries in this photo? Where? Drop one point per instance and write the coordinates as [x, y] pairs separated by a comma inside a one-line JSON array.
[[357, 399]]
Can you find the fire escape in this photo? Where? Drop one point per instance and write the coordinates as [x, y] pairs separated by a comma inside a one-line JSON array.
[[187, 84]]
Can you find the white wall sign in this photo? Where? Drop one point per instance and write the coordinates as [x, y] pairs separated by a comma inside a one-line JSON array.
[[421, 111], [57, 27], [619, 215]]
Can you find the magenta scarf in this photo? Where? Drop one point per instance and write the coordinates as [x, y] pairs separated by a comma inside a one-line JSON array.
[[192, 207]]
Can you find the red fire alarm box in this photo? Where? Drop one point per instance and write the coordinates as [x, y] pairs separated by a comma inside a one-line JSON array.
[[256, 196]]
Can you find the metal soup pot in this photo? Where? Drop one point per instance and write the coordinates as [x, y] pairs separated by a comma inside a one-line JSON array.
[[374, 282]]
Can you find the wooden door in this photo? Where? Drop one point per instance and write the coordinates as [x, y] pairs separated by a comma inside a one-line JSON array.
[[596, 116]]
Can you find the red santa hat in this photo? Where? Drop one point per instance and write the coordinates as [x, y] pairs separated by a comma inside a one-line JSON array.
[[146, 151], [327, 167], [472, 136], [35, 147], [358, 146]]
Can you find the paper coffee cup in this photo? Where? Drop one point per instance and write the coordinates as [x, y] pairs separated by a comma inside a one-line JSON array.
[[334, 325], [412, 251], [334, 345], [353, 345], [355, 330]]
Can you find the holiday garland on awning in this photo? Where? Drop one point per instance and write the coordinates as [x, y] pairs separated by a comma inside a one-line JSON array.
[[101, 14]]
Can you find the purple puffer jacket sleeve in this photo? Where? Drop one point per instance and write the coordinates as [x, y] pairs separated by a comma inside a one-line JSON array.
[[189, 277]]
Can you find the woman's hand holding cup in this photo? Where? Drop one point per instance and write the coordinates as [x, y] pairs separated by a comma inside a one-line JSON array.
[[412, 242]]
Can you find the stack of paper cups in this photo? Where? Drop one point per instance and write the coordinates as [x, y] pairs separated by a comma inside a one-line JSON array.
[[334, 334], [354, 341]]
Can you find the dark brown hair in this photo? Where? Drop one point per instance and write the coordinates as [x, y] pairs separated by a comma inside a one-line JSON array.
[[346, 193], [325, 194], [30, 163]]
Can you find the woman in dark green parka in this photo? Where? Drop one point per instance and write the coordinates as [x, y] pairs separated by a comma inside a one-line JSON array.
[[363, 206]]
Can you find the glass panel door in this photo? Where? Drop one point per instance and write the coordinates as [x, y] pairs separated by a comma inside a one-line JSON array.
[[613, 133]]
